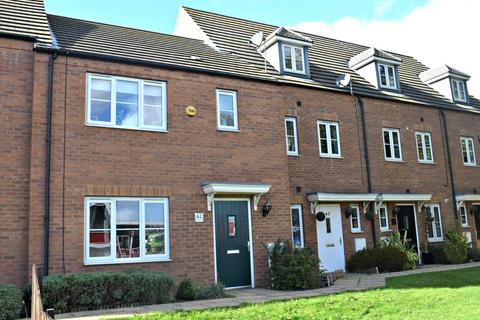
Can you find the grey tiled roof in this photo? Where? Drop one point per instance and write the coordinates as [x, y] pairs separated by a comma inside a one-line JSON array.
[[150, 47], [328, 59], [25, 18], [286, 33], [440, 71], [372, 52]]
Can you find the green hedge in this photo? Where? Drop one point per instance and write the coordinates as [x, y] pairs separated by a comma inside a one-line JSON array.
[[293, 268], [100, 290], [188, 290], [387, 259], [10, 302]]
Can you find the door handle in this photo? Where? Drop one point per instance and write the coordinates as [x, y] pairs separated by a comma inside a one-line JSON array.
[[248, 246], [340, 240]]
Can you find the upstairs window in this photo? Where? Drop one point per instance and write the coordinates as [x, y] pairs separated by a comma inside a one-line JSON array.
[[458, 89], [387, 76], [424, 147], [227, 118], [468, 151], [126, 103], [434, 228], [291, 136], [391, 144], [329, 139], [293, 59]]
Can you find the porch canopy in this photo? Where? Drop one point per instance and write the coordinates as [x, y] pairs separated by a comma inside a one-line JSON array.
[[225, 188], [378, 198], [461, 198]]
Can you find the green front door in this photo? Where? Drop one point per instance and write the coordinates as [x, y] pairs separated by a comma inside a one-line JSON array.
[[232, 245]]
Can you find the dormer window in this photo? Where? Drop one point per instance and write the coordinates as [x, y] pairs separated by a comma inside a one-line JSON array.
[[458, 89], [387, 76], [293, 60]]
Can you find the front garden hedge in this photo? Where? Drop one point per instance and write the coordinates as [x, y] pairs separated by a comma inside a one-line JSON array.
[[103, 290], [10, 302]]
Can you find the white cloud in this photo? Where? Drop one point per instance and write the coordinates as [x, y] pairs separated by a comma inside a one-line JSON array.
[[383, 7], [441, 32]]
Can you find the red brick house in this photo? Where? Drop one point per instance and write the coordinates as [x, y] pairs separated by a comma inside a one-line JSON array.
[[189, 153]]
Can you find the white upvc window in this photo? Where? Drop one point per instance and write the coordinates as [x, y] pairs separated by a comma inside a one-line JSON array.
[[463, 216], [434, 228], [387, 76], [383, 217], [355, 223], [293, 59], [126, 230], [458, 89], [424, 147], [391, 144], [329, 139], [291, 136], [126, 103], [297, 226], [227, 116], [468, 151]]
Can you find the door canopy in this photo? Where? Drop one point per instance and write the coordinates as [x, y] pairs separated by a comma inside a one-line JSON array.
[[251, 189]]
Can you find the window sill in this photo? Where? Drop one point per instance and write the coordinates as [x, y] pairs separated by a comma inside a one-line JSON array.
[[228, 130], [124, 128], [293, 154], [435, 240], [394, 160], [125, 261], [426, 162], [470, 165], [331, 157], [357, 232], [386, 230], [465, 226]]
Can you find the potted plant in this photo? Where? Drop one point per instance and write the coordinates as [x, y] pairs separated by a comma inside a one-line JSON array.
[[427, 255]]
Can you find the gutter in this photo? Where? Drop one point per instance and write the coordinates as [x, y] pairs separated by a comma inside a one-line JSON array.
[[367, 160], [449, 162], [48, 148]]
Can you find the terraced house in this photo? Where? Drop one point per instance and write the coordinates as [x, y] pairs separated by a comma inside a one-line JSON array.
[[189, 153]]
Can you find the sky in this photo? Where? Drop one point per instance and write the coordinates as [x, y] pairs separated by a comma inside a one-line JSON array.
[[435, 32]]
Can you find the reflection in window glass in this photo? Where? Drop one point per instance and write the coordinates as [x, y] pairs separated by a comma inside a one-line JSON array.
[[99, 242], [100, 100], [154, 228], [128, 229]]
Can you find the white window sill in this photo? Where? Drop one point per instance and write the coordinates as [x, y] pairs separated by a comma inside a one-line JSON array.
[[470, 164], [124, 128], [394, 160], [228, 129], [385, 230], [426, 162], [294, 71], [330, 156], [357, 232], [435, 240], [293, 155], [465, 226], [125, 261]]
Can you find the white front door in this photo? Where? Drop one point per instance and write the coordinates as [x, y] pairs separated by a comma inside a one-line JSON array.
[[330, 238]]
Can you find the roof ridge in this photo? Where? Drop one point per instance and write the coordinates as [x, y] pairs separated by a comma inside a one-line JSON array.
[[123, 27]]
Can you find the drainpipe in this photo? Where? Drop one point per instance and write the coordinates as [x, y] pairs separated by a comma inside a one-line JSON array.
[[48, 147], [367, 161], [449, 162]]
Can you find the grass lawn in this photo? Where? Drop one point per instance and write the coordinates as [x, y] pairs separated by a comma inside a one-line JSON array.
[[437, 295]]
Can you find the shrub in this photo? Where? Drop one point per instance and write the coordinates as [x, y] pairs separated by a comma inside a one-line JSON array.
[[396, 240], [92, 291], [387, 259], [293, 268], [456, 245], [438, 254], [10, 302], [473, 254], [188, 290]]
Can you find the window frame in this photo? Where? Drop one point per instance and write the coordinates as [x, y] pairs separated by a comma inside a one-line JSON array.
[[435, 237], [470, 162], [329, 153], [233, 94], [292, 54], [300, 221], [295, 135], [392, 148], [388, 85], [387, 228], [112, 259], [113, 105], [464, 207], [455, 85], [422, 135], [359, 218]]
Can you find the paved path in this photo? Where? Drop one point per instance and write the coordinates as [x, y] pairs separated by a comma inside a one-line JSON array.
[[350, 282]]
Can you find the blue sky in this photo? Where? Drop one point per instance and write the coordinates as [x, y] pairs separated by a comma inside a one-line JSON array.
[[160, 16]]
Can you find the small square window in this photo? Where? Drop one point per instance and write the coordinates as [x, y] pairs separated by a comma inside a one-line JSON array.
[[227, 118], [387, 76]]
